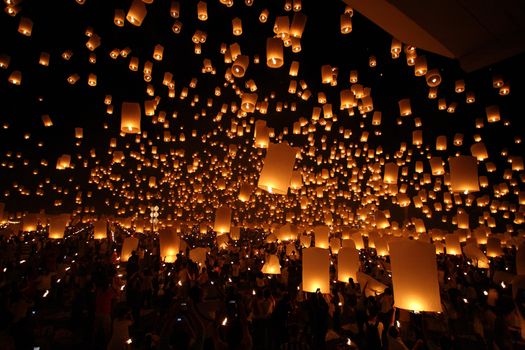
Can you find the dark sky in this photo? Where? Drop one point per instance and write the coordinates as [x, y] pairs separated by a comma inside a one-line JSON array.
[[60, 25]]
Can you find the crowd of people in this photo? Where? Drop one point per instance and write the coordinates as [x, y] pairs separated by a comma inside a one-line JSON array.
[[76, 293]]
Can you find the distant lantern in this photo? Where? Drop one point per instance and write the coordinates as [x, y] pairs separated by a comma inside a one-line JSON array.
[[391, 173], [404, 107], [30, 222], [271, 265], [129, 245], [240, 65], [25, 27], [137, 12], [452, 244], [235, 233], [322, 234], [237, 26], [274, 52], [441, 143], [494, 247], [15, 77], [277, 170], [493, 114], [202, 10], [222, 220], [346, 23], [63, 162], [170, 244], [158, 52], [263, 17], [433, 77], [316, 270], [415, 276], [130, 118], [249, 100], [119, 17], [57, 226], [420, 66], [463, 174], [100, 230], [298, 25]]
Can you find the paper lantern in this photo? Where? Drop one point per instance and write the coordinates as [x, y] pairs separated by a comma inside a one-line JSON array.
[[420, 66], [475, 254], [249, 101], [493, 114], [287, 232], [357, 237], [306, 241], [222, 220], [274, 53], [414, 276], [494, 247], [452, 244], [335, 245], [463, 174], [129, 245], [237, 26], [235, 233], [370, 286], [136, 13], [391, 173], [316, 270], [347, 264], [271, 265], [25, 27], [346, 23], [433, 77], [436, 166], [130, 118], [277, 170], [322, 233], [57, 226], [100, 230], [15, 77], [404, 107], [169, 243], [202, 10]]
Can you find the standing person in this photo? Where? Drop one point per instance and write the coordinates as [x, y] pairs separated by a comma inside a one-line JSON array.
[[132, 266], [373, 332], [120, 336], [103, 302]]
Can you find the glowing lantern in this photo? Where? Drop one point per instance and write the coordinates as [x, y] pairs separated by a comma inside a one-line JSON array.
[[129, 245], [277, 170], [316, 266], [169, 245], [391, 173], [235, 233], [404, 107], [494, 247], [415, 275], [274, 53], [240, 65], [30, 222], [452, 244], [15, 77], [473, 253], [249, 100], [136, 13], [202, 10], [347, 264], [57, 226], [100, 230], [222, 220], [198, 256], [433, 77], [130, 118], [237, 26], [271, 265], [25, 27], [493, 114], [463, 174], [322, 233]]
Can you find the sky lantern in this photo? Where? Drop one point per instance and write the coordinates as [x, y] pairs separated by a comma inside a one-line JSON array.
[[136, 13], [130, 118], [271, 265], [277, 170], [274, 53], [57, 226], [415, 276], [169, 245], [100, 229], [452, 244], [463, 174], [316, 266], [347, 264], [129, 245], [222, 220]]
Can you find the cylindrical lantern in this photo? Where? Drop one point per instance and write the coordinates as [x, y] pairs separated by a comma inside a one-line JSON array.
[[169, 245], [100, 230], [57, 226], [452, 244], [130, 118], [136, 12], [274, 52], [316, 270], [463, 174], [271, 265], [222, 220], [322, 234], [277, 170], [347, 264], [415, 275]]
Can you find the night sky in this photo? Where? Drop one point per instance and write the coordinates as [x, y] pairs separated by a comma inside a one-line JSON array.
[[61, 25]]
